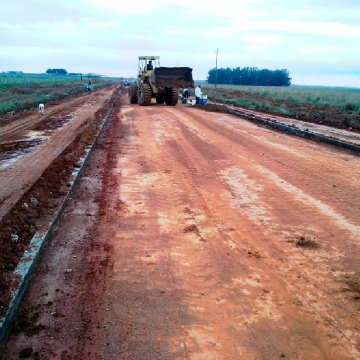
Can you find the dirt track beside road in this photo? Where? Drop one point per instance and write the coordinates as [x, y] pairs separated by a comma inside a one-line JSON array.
[[47, 136], [198, 235], [38, 154]]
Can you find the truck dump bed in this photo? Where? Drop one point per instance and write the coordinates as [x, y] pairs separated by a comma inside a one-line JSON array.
[[178, 77]]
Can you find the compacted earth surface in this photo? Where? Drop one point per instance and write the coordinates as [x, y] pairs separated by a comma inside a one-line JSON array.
[[199, 235]]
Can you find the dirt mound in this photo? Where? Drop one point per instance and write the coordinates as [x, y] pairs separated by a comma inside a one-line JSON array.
[[305, 243], [215, 108]]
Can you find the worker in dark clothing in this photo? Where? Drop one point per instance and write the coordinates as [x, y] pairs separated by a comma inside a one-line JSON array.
[[149, 66], [185, 93], [89, 86]]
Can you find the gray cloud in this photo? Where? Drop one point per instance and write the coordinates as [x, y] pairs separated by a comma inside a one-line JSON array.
[[107, 36]]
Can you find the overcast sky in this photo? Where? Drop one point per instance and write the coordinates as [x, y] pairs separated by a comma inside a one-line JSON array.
[[316, 40]]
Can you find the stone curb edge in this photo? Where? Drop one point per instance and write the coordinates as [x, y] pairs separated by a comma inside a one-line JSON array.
[[298, 132]]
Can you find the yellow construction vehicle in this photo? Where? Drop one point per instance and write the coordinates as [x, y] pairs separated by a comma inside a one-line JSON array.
[[161, 83]]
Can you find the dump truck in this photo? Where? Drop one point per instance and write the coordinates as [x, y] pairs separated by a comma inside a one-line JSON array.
[[159, 82]]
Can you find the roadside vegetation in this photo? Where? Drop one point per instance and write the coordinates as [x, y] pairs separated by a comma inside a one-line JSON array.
[[249, 76], [24, 91], [339, 107]]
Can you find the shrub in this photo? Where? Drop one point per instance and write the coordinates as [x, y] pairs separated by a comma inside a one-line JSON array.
[[351, 107]]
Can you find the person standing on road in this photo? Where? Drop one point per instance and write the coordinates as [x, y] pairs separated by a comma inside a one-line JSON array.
[[198, 93]]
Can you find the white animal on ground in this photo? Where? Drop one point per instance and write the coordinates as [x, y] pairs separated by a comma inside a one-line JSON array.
[[41, 108]]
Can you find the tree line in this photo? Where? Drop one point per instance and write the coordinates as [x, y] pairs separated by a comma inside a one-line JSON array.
[[56, 72], [65, 73], [249, 76]]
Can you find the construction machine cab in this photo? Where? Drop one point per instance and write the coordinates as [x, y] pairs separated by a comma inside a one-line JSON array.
[[148, 63]]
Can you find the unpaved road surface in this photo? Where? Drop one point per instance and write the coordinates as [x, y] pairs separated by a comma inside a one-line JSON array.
[[197, 235]]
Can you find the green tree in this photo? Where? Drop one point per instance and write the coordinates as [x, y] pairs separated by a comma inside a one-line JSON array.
[[249, 76]]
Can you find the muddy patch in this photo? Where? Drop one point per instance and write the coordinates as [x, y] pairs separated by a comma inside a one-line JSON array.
[[305, 242], [13, 151], [28, 322], [219, 108], [191, 228], [55, 123], [353, 286]]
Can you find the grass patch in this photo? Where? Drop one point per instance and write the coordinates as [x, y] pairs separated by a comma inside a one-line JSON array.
[[340, 98], [8, 105], [12, 80], [42, 98], [255, 105], [24, 91], [351, 107], [331, 106]]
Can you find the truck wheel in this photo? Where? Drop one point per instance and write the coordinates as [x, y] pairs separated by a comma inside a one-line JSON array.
[[172, 96], [144, 95], [133, 94], [160, 99]]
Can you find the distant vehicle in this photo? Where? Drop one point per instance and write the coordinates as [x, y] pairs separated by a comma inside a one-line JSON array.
[[161, 83]]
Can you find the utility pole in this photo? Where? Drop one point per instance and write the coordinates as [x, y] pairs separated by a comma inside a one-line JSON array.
[[217, 52]]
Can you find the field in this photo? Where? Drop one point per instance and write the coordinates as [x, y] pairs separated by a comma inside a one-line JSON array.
[[23, 91], [338, 107]]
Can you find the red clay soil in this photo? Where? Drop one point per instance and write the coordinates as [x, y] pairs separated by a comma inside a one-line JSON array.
[[197, 235], [36, 206]]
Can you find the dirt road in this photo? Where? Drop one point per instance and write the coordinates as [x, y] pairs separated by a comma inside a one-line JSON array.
[[198, 235], [42, 138]]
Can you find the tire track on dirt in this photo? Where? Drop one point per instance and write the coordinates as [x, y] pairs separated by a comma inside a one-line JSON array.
[[272, 220], [181, 158], [332, 165]]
